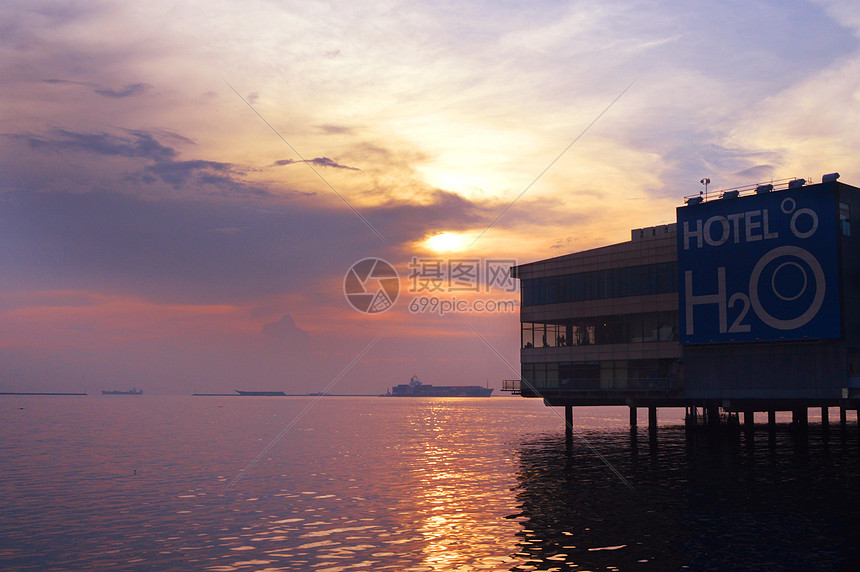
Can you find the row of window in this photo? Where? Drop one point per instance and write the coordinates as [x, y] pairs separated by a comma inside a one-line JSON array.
[[601, 284], [601, 330], [634, 374]]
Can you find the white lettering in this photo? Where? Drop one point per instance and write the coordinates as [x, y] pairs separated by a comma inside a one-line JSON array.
[[726, 231], [799, 233], [734, 218], [767, 234], [750, 225], [696, 233], [719, 299]]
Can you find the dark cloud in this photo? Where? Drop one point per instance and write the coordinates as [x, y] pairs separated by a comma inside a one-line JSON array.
[[285, 330], [179, 249], [210, 244], [139, 144], [70, 82], [172, 249], [129, 90], [756, 174], [204, 176], [177, 173], [318, 161], [336, 129], [225, 178]]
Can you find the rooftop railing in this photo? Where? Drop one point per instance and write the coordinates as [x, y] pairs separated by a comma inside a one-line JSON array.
[[735, 192]]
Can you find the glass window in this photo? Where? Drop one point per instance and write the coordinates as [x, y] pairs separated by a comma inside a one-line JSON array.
[[539, 376], [528, 335], [634, 281], [845, 218], [614, 283], [650, 327], [526, 293], [552, 375], [528, 373]]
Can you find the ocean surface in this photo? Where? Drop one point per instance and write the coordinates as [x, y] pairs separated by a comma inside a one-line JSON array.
[[423, 484]]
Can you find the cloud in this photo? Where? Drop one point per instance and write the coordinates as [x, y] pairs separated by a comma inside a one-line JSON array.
[[336, 129], [70, 82], [319, 162], [129, 90], [285, 330], [178, 172], [139, 144], [144, 145]]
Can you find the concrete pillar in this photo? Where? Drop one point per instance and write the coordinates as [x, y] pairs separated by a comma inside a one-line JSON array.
[[843, 416], [825, 417], [690, 418], [713, 414], [568, 422], [771, 420], [800, 418], [633, 422], [652, 419], [749, 421]]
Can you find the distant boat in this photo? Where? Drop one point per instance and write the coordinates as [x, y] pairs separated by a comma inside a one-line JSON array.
[[417, 389], [132, 391], [260, 393]]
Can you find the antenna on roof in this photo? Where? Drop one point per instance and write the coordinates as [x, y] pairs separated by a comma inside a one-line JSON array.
[[706, 181]]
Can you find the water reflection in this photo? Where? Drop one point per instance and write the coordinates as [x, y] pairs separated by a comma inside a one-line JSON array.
[[767, 502]]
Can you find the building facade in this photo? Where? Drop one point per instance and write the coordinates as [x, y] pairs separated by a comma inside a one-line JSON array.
[[749, 302]]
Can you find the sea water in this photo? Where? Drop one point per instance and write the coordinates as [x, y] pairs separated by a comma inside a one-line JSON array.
[[410, 484]]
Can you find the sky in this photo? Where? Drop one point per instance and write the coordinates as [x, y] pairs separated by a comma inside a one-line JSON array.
[[184, 187]]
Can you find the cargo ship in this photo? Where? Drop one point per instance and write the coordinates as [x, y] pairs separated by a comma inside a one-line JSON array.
[[417, 389], [132, 391], [246, 393]]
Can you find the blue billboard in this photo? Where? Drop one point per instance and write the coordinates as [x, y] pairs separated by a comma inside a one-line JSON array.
[[763, 267]]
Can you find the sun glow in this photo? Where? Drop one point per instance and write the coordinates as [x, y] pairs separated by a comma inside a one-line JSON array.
[[448, 242]]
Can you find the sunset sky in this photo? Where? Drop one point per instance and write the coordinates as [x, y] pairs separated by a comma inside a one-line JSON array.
[[159, 229]]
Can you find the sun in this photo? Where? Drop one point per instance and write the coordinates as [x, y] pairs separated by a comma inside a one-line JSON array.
[[448, 242]]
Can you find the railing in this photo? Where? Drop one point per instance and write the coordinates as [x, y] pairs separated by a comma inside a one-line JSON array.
[[512, 385], [776, 185], [644, 384]]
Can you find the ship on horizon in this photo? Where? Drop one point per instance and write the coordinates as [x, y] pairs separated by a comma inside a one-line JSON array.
[[417, 389], [246, 393], [132, 391]]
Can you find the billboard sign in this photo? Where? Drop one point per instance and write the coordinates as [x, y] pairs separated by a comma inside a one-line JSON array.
[[760, 268]]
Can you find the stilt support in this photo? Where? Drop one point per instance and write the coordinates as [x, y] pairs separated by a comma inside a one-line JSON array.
[[800, 418], [633, 421], [652, 419], [749, 421], [690, 419], [568, 423], [713, 416]]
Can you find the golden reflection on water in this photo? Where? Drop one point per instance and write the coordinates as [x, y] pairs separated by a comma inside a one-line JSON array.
[[452, 501]]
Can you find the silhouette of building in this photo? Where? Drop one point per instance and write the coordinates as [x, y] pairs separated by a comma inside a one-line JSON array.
[[749, 302]]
